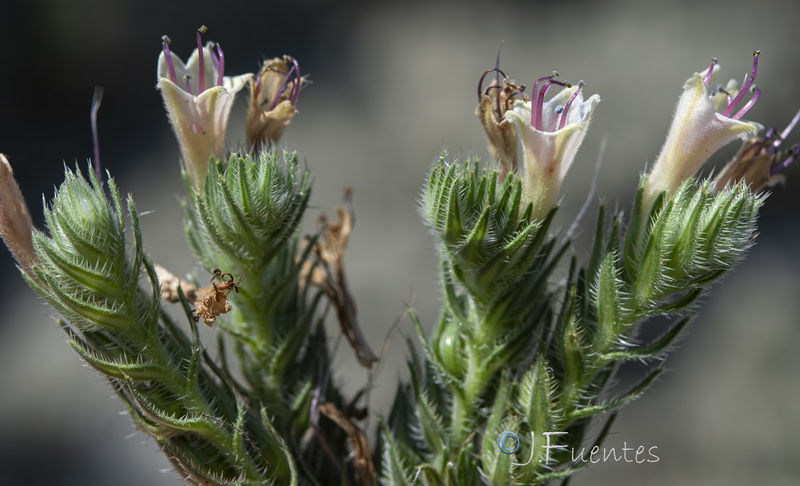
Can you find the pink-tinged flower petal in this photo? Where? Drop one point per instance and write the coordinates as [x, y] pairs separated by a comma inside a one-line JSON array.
[[548, 155], [697, 131], [199, 124]]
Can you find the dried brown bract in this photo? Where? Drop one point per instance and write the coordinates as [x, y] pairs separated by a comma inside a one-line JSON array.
[[327, 273], [362, 456], [212, 301], [170, 284]]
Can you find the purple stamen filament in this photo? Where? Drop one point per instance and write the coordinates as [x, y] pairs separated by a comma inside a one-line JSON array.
[[581, 84], [786, 131], [497, 65], [483, 76], [282, 89], [746, 107], [168, 56], [187, 78], [748, 82], [497, 105], [220, 61], [494, 86], [96, 100], [534, 105], [540, 101], [558, 111], [298, 82], [714, 61], [201, 83], [293, 76], [792, 156]]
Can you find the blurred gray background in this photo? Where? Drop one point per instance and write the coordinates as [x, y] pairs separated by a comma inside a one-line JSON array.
[[394, 83]]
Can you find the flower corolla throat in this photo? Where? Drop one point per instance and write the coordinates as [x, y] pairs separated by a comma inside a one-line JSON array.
[[551, 132]]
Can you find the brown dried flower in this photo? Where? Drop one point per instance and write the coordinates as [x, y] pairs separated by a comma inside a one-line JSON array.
[[273, 96], [212, 301], [493, 103], [15, 221]]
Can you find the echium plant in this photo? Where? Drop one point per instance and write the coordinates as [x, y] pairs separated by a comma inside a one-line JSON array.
[[515, 354]]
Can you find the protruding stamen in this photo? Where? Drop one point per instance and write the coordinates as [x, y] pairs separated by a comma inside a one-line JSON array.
[[581, 84], [201, 83], [749, 80], [483, 76], [754, 148], [714, 61], [534, 91], [558, 111], [187, 78], [540, 99], [298, 82], [786, 131], [792, 155], [220, 65], [746, 108], [497, 63], [97, 98], [165, 40], [496, 105], [287, 77]]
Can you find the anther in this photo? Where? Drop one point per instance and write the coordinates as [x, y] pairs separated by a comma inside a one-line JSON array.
[[558, 111]]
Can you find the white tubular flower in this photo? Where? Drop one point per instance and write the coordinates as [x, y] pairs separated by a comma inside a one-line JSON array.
[[198, 116], [704, 122], [551, 134]]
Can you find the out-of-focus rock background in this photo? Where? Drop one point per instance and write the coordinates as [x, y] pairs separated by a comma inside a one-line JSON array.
[[394, 83]]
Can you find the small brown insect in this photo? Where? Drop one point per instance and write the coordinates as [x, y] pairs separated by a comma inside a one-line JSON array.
[[212, 301]]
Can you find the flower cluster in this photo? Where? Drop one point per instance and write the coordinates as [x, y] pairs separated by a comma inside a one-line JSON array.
[[529, 339], [199, 97], [552, 130]]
